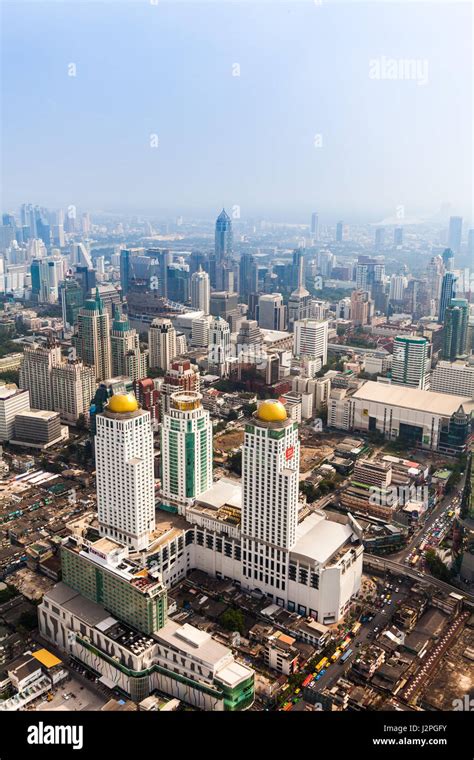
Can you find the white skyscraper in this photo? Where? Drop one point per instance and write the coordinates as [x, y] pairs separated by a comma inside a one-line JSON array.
[[73, 387], [162, 343], [219, 346], [410, 363], [270, 475], [35, 373], [271, 312], [124, 472], [311, 339], [200, 291], [186, 450]]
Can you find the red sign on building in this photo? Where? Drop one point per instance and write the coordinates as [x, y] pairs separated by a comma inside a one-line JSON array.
[[289, 452]]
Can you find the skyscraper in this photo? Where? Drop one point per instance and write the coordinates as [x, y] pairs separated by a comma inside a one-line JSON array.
[[448, 260], [410, 363], [379, 238], [186, 450], [223, 246], [219, 349], [270, 475], [248, 276], [455, 233], [35, 373], [71, 297], [161, 343], [456, 320], [398, 236], [200, 291], [92, 340], [339, 232], [73, 387], [181, 377], [127, 357], [448, 285], [311, 339], [124, 472], [314, 225], [271, 312]]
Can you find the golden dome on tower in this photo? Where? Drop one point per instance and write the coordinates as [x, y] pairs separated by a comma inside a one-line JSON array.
[[122, 403], [271, 410]]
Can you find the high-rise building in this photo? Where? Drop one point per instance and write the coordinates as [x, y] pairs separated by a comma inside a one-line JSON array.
[[182, 376], [219, 349], [448, 286], [448, 260], [71, 296], [455, 338], [186, 450], [92, 340], [147, 393], [80, 256], [35, 373], [271, 312], [299, 300], [12, 402], [339, 232], [398, 236], [379, 238], [200, 332], [314, 225], [311, 339], [455, 233], [455, 378], [411, 361], [434, 276], [200, 291], [73, 387], [161, 343], [127, 357], [124, 472], [248, 276], [398, 284], [360, 307], [223, 237], [270, 476], [249, 333]]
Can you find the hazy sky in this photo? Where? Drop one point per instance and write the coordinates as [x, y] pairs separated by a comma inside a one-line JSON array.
[[314, 121]]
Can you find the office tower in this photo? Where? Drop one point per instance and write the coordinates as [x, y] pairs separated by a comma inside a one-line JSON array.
[[87, 279], [109, 296], [379, 238], [186, 450], [35, 373], [161, 343], [456, 320], [455, 233], [80, 256], [12, 401], [411, 362], [182, 376], [200, 291], [39, 428], [311, 339], [314, 225], [398, 236], [326, 261], [398, 284], [448, 260], [360, 307], [85, 223], [177, 283], [223, 243], [51, 273], [124, 472], [368, 271], [299, 300], [92, 340], [126, 355], [71, 297], [197, 261], [249, 333], [223, 304], [470, 245], [248, 276], [100, 266], [339, 232], [271, 312], [219, 350], [59, 238], [200, 332], [448, 286], [125, 254], [434, 276], [73, 387], [270, 475], [35, 271]]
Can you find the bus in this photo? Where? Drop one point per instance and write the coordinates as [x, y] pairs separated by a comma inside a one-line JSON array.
[[307, 681], [321, 664], [336, 655], [344, 645], [346, 656], [356, 628]]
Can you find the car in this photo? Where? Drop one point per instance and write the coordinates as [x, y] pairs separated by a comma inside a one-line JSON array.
[[389, 601]]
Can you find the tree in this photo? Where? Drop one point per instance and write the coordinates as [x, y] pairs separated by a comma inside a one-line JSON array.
[[235, 463], [436, 566], [232, 415], [233, 620]]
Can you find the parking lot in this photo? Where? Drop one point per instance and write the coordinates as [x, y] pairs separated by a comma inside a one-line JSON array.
[[78, 697]]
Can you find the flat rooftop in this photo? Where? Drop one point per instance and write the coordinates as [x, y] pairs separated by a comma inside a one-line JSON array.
[[412, 398], [223, 492], [318, 539], [192, 641]]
